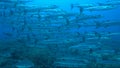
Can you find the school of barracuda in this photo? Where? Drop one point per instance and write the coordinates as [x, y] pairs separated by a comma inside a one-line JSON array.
[[50, 37]]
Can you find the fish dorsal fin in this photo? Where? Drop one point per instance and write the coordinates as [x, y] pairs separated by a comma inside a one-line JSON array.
[[81, 9], [108, 1], [72, 6], [99, 4]]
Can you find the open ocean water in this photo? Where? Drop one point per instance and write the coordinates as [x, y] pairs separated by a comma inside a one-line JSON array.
[[59, 34]]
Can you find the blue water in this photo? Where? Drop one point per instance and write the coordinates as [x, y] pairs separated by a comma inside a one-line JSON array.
[[51, 38]]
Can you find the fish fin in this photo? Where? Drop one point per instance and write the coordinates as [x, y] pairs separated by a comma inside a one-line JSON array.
[[81, 9], [72, 6], [100, 4], [97, 24]]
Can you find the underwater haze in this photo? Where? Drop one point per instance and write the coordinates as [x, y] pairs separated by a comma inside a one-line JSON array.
[[59, 34]]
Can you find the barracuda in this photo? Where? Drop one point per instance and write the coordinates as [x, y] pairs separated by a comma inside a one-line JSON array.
[[100, 8], [110, 3], [81, 7]]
